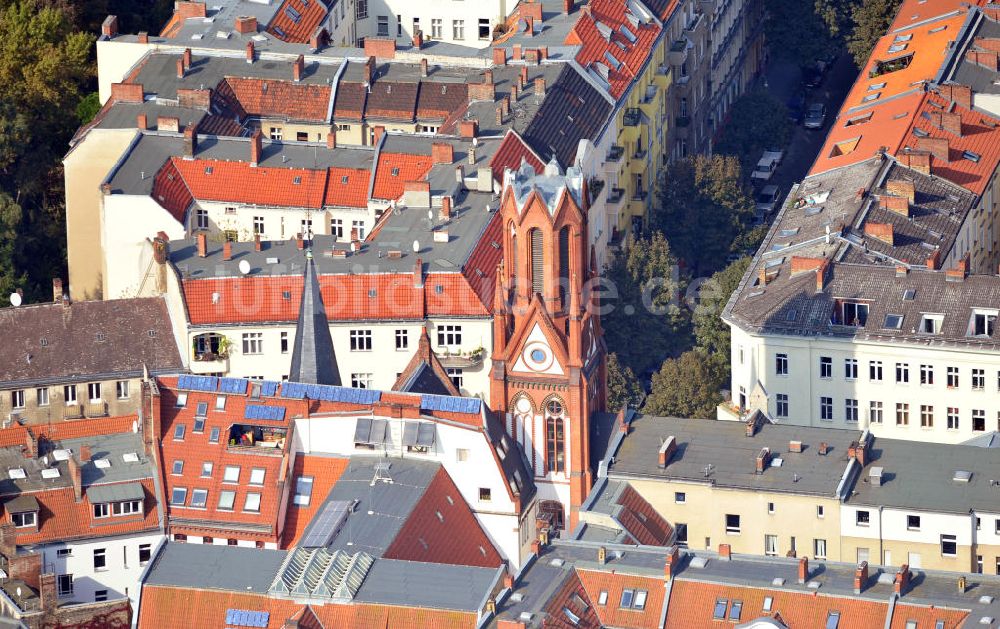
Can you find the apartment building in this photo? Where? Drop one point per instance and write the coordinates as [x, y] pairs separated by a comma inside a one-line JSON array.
[[83, 359]]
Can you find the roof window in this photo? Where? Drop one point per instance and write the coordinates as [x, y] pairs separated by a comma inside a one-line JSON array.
[[871, 97], [395, 172], [719, 612], [909, 294], [931, 323], [853, 313], [938, 29], [297, 180], [901, 38], [863, 118], [876, 86], [972, 157], [890, 65], [893, 322], [897, 47], [832, 619], [982, 323], [920, 133]]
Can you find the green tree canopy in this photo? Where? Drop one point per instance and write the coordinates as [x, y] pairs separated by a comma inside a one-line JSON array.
[[710, 332], [871, 20], [796, 31], [623, 387], [686, 386], [756, 122]]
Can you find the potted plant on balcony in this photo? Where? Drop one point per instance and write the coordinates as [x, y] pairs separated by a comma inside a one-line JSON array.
[[224, 346]]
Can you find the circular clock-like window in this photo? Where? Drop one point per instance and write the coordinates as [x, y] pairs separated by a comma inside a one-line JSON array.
[[523, 405], [554, 408], [537, 356]]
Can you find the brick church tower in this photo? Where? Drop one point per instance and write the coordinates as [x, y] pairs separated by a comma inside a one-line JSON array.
[[549, 359]]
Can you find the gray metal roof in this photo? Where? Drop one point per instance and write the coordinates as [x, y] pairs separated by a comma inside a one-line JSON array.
[[427, 585], [117, 492], [112, 448], [730, 456], [21, 504], [215, 567]]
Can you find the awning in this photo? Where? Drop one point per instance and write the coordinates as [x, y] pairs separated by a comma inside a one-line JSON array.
[[119, 492]]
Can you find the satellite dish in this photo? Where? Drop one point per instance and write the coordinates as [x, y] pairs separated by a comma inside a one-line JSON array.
[[19, 591], [475, 141], [416, 246], [244, 267], [15, 299]]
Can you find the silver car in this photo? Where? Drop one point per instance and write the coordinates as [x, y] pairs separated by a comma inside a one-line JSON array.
[[767, 199], [815, 116]]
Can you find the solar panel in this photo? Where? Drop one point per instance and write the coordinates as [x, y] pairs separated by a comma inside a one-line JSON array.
[[430, 402], [197, 383], [246, 618], [268, 388], [363, 430], [293, 390], [233, 385], [425, 435], [326, 524], [259, 411], [379, 429], [410, 431]]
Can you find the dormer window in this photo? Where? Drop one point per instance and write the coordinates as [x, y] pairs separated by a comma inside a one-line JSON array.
[[931, 323], [23, 511], [25, 520], [982, 323], [853, 313]]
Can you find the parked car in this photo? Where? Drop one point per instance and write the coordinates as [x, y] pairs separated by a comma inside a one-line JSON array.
[[776, 154], [815, 116], [812, 75], [763, 170], [767, 199], [796, 106]]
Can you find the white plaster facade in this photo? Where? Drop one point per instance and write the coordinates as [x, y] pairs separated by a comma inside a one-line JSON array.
[[451, 21]]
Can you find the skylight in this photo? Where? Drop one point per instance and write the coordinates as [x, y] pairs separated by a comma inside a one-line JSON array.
[[972, 157], [909, 294], [893, 321], [130, 457], [102, 463], [870, 97], [612, 61], [50, 473], [16, 472]]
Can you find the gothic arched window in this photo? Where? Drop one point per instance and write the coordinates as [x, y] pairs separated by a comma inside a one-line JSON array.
[[555, 437]]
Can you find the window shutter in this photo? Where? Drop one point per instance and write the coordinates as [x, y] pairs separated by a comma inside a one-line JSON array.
[[537, 262]]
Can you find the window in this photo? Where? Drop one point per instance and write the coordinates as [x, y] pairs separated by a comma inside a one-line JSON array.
[[978, 420], [978, 379], [361, 9], [100, 559], [179, 496], [182, 400], [781, 409], [199, 498], [64, 552], [226, 500], [303, 491], [768, 602], [825, 367], [201, 218], [926, 416], [252, 503], [458, 29], [361, 380], [982, 323], [383, 26], [199, 425], [926, 374], [179, 432], [121, 389], [24, 520], [257, 476], [931, 324], [732, 524], [402, 339], [64, 585], [875, 412], [555, 444], [361, 340], [626, 600], [456, 376], [781, 364], [253, 342], [719, 612], [735, 610], [485, 494], [231, 474], [213, 436], [436, 29], [102, 510], [461, 454], [358, 227], [258, 225], [949, 545], [94, 391], [680, 497], [484, 29], [275, 133], [17, 399], [178, 468], [770, 508], [952, 418], [862, 518], [820, 511], [913, 522], [952, 377], [100, 595], [902, 373], [850, 410], [449, 335], [832, 619], [854, 314], [826, 409], [284, 342], [206, 469], [819, 548], [42, 396], [875, 370], [851, 368], [337, 228], [771, 545], [902, 414]]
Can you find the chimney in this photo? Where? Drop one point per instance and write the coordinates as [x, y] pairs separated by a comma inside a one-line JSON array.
[[8, 540], [499, 115], [522, 79], [472, 154], [47, 593], [823, 448], [380, 47], [256, 147], [250, 51], [960, 94], [190, 140], [417, 194], [30, 441], [962, 585], [298, 66], [468, 128], [725, 552], [902, 583], [795, 446], [186, 58], [938, 147], [803, 569], [299, 244], [499, 57], [951, 122], [442, 153], [934, 260], [180, 68], [418, 40], [860, 577], [85, 454], [875, 476], [987, 59], [246, 24], [127, 93], [763, 459], [446, 207], [379, 132], [370, 65], [754, 423], [802, 264], [673, 563], [142, 37], [318, 39], [109, 28], [540, 87], [227, 251], [567, 6], [331, 140], [202, 244], [602, 555], [423, 68], [168, 123], [76, 477], [902, 188], [460, 176], [515, 52], [899, 205], [57, 290], [257, 246], [418, 273], [880, 231], [667, 450], [488, 76]]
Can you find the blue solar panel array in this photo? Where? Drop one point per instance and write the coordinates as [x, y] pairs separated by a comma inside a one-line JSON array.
[[244, 618], [258, 411], [297, 391], [233, 385], [198, 383], [268, 388], [451, 404]]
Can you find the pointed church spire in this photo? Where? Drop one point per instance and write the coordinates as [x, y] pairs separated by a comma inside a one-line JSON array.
[[313, 359]]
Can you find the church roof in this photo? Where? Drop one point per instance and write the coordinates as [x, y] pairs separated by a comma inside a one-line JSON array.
[[313, 358]]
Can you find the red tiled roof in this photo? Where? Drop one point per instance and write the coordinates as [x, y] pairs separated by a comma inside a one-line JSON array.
[[325, 472], [509, 154], [67, 429], [642, 521], [61, 517], [926, 616], [286, 27], [481, 269], [438, 101], [406, 168], [613, 583], [171, 192], [239, 182], [980, 135], [392, 100], [630, 57], [262, 97], [181, 608], [350, 101], [350, 193], [450, 294], [453, 538], [564, 599]]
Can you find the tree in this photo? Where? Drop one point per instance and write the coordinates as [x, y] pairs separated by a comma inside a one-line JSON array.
[[10, 221], [710, 332], [642, 318], [703, 208], [756, 121], [871, 21], [88, 107], [623, 388], [795, 31], [687, 386]]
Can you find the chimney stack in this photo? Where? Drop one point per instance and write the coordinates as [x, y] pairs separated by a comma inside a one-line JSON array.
[[76, 477], [30, 441], [880, 231], [85, 453], [821, 274], [938, 147], [257, 246], [860, 577], [442, 153], [190, 140], [379, 132], [667, 450], [227, 251], [180, 68], [186, 57], [246, 25], [47, 594], [418, 39], [902, 188], [795, 446], [299, 244], [202, 244], [331, 140], [515, 52], [803, 569], [109, 28], [423, 68], [673, 562], [418, 273], [446, 207], [499, 57], [567, 6], [256, 147], [57, 290], [522, 78], [823, 448], [298, 67], [142, 37], [468, 128], [540, 87], [250, 51], [763, 459], [602, 555], [902, 583], [934, 260], [725, 552]]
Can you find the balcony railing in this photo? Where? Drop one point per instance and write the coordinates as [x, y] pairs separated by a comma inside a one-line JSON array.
[[631, 117], [463, 361], [615, 153]]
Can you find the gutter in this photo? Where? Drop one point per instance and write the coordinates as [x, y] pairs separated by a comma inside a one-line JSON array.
[[667, 588], [333, 90], [892, 610]]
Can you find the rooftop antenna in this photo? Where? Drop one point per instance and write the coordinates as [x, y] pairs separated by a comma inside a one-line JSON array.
[[708, 469], [382, 467]]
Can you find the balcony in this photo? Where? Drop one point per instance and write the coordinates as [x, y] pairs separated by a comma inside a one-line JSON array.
[[678, 52], [614, 201], [95, 408], [257, 439], [631, 117], [614, 155], [464, 360], [640, 196], [209, 353], [664, 76]]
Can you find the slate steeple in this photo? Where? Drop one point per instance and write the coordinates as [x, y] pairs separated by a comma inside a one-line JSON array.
[[313, 358]]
